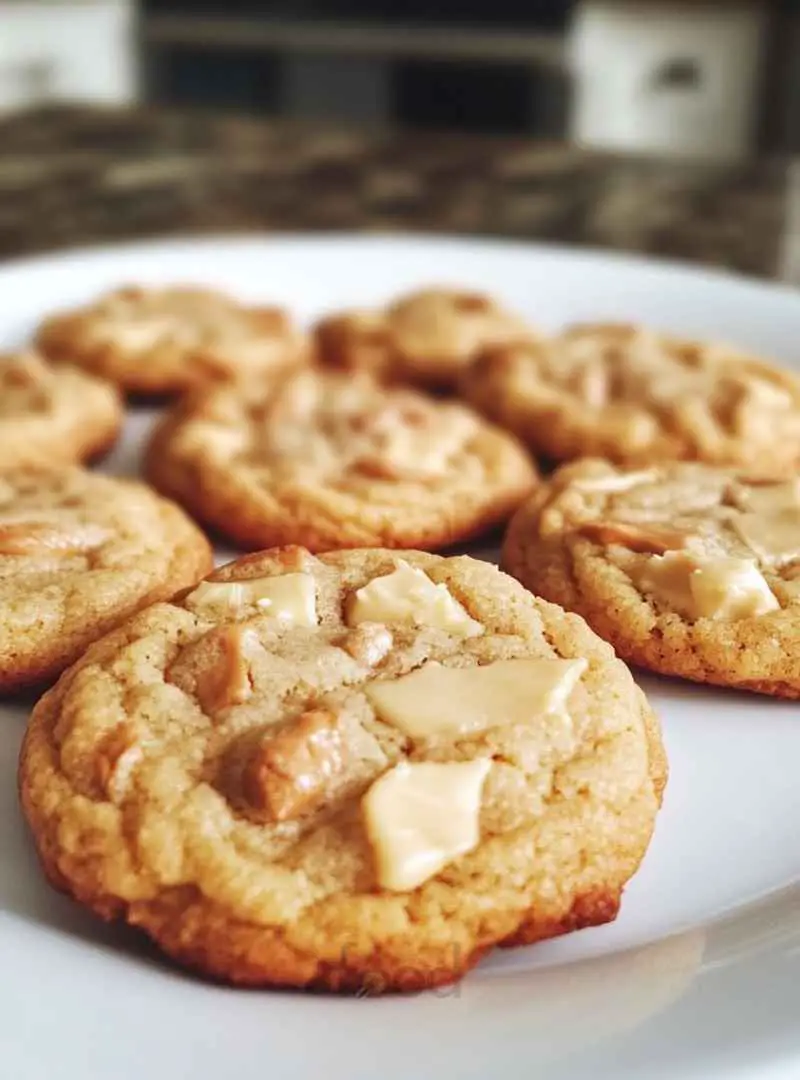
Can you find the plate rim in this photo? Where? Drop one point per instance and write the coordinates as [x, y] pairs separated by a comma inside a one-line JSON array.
[[759, 909]]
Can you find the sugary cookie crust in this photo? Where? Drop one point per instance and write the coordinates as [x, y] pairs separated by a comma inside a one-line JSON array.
[[329, 460], [79, 553], [148, 805], [635, 397], [427, 337], [58, 414], [588, 540], [164, 341]]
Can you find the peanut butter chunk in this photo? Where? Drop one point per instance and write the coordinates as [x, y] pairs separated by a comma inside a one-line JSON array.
[[225, 681], [293, 773]]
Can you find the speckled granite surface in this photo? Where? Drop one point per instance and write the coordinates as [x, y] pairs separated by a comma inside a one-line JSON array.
[[77, 176]]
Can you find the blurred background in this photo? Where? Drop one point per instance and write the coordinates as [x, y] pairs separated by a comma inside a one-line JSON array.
[[717, 79], [669, 127]]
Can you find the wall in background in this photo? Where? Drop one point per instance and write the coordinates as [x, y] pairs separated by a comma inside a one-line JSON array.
[[669, 77], [719, 78], [66, 50]]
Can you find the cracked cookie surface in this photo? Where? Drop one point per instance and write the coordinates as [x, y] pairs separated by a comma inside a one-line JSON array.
[[427, 338], [685, 569], [79, 553], [635, 397], [254, 775], [48, 413], [330, 460], [162, 341]]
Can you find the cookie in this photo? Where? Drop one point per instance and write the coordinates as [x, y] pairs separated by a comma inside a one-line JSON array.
[[634, 397], [78, 554], [330, 460], [57, 414], [165, 341], [355, 772], [427, 338], [685, 569]]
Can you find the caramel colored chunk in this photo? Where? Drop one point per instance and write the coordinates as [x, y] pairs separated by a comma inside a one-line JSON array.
[[436, 701], [36, 538], [650, 539], [293, 773], [408, 596], [419, 816], [719, 588], [115, 761], [291, 598], [225, 681], [25, 371]]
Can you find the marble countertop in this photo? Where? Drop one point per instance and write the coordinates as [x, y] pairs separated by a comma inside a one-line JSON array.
[[72, 176]]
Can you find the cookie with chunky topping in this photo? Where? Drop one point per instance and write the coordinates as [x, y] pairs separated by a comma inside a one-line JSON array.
[[79, 553], [53, 414], [356, 772], [331, 460], [161, 341], [427, 338], [686, 569], [635, 397]]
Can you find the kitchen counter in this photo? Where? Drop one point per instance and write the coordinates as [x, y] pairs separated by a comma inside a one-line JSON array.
[[73, 176]]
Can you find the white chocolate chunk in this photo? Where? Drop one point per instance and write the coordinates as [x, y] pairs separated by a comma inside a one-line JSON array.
[[613, 484], [19, 537], [731, 589], [436, 701], [774, 538], [667, 578], [220, 439], [420, 816], [288, 597], [767, 395], [769, 499], [408, 596], [135, 333], [425, 451], [719, 588]]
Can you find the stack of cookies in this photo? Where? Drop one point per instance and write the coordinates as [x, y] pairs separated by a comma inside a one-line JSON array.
[[343, 761]]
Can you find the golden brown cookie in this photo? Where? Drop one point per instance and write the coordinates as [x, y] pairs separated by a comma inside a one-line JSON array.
[[78, 554], [164, 341], [329, 460], [685, 569], [635, 397], [53, 414], [353, 772], [427, 338]]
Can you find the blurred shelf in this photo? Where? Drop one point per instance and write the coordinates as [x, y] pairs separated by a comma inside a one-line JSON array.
[[317, 36]]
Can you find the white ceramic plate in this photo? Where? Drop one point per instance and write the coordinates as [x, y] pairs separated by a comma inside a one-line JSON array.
[[699, 977]]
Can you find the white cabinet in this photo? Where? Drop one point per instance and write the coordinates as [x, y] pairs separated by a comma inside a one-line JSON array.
[[664, 76], [73, 51]]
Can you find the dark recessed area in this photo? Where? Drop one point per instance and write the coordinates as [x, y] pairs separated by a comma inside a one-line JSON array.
[[476, 97]]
